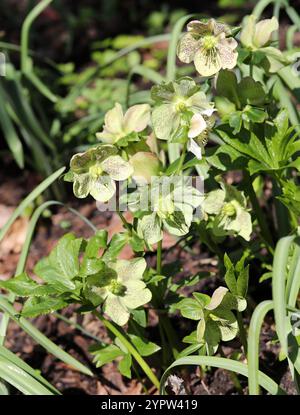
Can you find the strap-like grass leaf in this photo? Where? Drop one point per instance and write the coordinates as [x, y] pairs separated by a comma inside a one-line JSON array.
[[253, 345], [9, 132], [228, 364], [281, 256], [41, 339], [13, 358], [30, 198]]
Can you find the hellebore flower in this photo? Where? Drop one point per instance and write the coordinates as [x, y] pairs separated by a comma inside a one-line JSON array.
[[118, 125], [228, 207], [168, 203], [145, 166], [257, 36], [206, 44], [182, 113], [94, 172], [122, 289]]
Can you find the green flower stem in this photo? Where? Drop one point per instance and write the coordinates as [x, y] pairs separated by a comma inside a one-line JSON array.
[[124, 221], [131, 349], [159, 258], [251, 69], [164, 321], [265, 232], [182, 157], [170, 333], [242, 332]]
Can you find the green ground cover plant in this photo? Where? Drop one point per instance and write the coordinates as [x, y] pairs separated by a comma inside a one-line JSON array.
[[237, 117]]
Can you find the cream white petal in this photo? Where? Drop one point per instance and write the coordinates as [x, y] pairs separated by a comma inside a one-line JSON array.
[[194, 148], [197, 126]]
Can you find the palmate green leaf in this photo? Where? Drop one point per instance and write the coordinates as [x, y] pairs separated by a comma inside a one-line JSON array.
[[105, 354], [251, 92], [191, 338], [36, 306], [23, 286], [116, 244], [291, 197], [248, 144], [235, 121], [242, 282], [234, 302], [230, 275], [190, 308], [62, 265], [144, 346], [227, 86], [226, 158], [212, 335], [124, 365], [227, 323], [64, 256], [53, 276], [96, 242]]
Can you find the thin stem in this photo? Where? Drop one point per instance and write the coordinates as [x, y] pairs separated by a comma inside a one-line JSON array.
[[242, 331], [182, 157], [265, 232], [159, 258], [170, 333], [131, 349], [124, 221], [251, 69], [76, 326]]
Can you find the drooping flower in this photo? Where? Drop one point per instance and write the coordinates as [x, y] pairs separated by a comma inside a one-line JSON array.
[[206, 44], [145, 165], [121, 288], [257, 36], [182, 113], [95, 171], [168, 203], [228, 209], [118, 125]]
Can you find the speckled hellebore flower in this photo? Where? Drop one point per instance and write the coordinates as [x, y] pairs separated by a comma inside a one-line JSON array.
[[206, 44], [118, 125], [122, 288], [94, 172], [228, 209], [168, 203], [182, 110]]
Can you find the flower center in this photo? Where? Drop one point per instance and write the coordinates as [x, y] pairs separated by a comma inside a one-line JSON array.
[[180, 105], [95, 171], [165, 206], [229, 209], [209, 42], [116, 288]]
